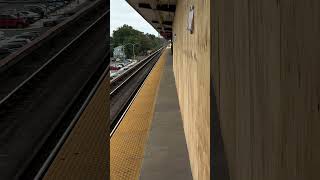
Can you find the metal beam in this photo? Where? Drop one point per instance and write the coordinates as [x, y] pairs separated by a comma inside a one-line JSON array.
[[166, 7], [144, 5], [167, 23], [159, 7]]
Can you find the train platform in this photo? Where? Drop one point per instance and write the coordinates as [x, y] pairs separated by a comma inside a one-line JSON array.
[[150, 143], [84, 155]]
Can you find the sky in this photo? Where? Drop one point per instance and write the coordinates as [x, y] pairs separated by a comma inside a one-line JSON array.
[[122, 13]]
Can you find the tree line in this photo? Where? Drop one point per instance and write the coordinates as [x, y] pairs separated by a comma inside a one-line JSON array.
[[144, 41]]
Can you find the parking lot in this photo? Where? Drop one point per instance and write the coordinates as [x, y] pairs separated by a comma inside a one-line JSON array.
[[119, 67], [21, 22]]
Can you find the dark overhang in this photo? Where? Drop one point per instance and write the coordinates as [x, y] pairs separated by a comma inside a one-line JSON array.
[[159, 13], [168, 8], [159, 7]]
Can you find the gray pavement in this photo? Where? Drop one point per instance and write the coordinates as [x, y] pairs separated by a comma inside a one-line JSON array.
[[166, 154]]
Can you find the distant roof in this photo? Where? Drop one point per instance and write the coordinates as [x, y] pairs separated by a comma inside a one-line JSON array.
[[159, 13]]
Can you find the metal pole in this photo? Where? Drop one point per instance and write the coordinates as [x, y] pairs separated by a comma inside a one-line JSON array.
[[133, 52], [134, 56]]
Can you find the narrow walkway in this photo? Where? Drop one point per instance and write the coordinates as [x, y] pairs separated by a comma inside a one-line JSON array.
[[166, 154]]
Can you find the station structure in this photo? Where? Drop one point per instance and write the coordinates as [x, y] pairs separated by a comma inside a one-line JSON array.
[[235, 96]]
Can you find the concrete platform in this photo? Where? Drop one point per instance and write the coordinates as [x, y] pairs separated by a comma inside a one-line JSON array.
[[166, 154], [128, 142], [84, 154]]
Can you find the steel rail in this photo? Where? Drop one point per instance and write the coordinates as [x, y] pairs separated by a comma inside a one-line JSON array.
[[127, 104], [70, 127], [115, 80], [21, 86], [51, 60], [139, 66]]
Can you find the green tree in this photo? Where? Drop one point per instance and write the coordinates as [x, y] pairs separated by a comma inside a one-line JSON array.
[[127, 35]]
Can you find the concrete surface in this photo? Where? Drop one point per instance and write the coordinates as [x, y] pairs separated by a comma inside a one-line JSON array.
[[128, 142], [166, 154], [85, 154]]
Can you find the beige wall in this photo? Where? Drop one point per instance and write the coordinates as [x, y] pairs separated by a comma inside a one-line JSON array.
[[191, 65], [266, 62]]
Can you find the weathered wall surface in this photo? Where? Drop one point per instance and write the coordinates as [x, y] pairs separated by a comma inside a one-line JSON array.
[[191, 59], [266, 71]]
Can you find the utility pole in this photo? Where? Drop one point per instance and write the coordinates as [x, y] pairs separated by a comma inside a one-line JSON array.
[[134, 56]]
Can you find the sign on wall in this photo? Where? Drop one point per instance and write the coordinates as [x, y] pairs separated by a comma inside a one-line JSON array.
[[190, 19]]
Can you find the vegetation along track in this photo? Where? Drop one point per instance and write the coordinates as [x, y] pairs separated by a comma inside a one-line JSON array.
[[41, 103]]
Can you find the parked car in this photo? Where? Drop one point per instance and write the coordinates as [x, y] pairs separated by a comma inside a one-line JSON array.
[[44, 7], [36, 9], [114, 68], [120, 71], [125, 68], [54, 20], [58, 4], [13, 46], [30, 16], [12, 21], [126, 62], [55, 1], [113, 75], [120, 65], [26, 36], [19, 40], [50, 8], [31, 33]]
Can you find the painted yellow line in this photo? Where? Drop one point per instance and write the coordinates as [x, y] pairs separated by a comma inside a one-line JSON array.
[[128, 142]]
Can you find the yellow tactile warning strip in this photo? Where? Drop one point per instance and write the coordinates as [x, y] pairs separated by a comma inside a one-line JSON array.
[[84, 155], [128, 142]]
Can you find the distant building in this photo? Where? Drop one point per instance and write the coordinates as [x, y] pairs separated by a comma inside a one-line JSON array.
[[118, 53]]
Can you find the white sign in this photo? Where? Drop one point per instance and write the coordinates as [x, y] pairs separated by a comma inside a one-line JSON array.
[[190, 19]]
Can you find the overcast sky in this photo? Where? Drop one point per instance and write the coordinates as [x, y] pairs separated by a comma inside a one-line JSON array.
[[122, 13]]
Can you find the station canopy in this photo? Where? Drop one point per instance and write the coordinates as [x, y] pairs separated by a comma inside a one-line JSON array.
[[159, 13]]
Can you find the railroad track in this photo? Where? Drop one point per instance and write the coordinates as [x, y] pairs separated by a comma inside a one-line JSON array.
[[29, 59], [125, 87], [39, 113]]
